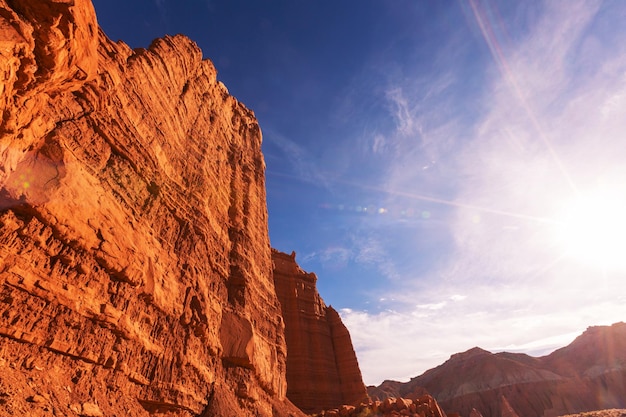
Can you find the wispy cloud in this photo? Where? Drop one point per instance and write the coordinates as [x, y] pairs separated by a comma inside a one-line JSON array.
[[302, 164], [404, 341], [371, 251], [403, 113], [331, 257], [550, 127]]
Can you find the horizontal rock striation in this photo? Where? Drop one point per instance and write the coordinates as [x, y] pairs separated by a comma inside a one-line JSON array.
[[135, 265], [322, 369]]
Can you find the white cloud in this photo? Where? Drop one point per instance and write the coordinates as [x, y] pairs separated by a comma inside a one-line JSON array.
[[406, 123], [379, 144], [433, 306], [552, 127], [403, 343], [330, 257]]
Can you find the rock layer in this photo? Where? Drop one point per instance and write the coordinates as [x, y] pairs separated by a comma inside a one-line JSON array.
[[589, 374], [322, 369], [135, 265]]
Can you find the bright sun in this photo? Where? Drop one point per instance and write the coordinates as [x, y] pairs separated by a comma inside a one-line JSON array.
[[592, 229]]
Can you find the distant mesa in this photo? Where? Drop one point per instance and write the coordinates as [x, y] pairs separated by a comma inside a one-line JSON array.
[[588, 374], [136, 275]]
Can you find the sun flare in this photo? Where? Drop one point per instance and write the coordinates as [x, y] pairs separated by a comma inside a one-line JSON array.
[[592, 229]]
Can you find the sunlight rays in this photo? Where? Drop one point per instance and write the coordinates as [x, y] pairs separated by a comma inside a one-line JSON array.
[[482, 16], [426, 198]]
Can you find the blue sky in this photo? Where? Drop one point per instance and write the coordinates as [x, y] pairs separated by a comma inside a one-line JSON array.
[[454, 172]]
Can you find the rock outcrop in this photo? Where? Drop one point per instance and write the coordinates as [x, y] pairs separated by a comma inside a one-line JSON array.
[[425, 406], [322, 369], [600, 413], [589, 374], [135, 264]]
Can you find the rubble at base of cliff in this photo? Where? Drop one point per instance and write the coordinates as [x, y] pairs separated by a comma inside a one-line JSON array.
[[600, 413], [425, 406]]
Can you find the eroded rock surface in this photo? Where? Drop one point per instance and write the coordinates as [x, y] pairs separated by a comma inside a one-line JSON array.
[[135, 265], [322, 369]]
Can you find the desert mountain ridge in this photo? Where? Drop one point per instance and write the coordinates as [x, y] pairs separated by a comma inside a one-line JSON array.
[[588, 374]]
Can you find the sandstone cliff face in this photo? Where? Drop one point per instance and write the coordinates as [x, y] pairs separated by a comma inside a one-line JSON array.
[[322, 369], [135, 266], [589, 374], [424, 406]]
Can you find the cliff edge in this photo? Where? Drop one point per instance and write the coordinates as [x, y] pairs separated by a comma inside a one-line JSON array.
[[322, 369], [135, 264]]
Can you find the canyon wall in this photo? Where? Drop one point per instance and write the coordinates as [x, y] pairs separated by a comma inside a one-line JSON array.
[[322, 369], [136, 274], [135, 264]]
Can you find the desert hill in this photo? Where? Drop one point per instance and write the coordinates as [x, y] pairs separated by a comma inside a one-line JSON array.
[[589, 374]]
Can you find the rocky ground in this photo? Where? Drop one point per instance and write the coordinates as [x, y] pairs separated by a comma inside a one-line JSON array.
[[587, 374], [600, 413], [425, 406]]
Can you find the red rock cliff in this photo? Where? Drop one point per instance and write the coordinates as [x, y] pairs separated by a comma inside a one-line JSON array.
[[322, 369], [135, 266]]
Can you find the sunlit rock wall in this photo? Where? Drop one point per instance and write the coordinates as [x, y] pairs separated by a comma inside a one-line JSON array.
[[135, 265], [322, 369]]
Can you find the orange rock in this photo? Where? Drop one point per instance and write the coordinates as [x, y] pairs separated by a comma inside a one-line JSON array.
[[346, 410], [376, 406], [388, 405], [322, 369], [403, 404], [90, 410], [392, 407], [134, 254]]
